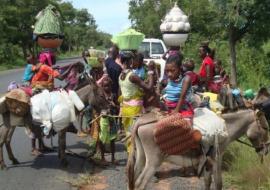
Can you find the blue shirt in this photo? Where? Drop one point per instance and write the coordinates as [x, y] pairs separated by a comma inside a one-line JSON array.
[[174, 89], [140, 72], [28, 73]]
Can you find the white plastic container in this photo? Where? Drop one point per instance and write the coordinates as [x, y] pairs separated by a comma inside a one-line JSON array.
[[76, 100]]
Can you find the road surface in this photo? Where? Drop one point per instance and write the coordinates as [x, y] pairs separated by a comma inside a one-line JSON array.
[[44, 173]]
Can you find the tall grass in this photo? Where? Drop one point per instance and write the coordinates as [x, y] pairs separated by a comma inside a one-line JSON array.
[[244, 169]]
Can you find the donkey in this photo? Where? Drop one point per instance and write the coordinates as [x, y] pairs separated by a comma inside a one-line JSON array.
[[146, 156], [90, 94]]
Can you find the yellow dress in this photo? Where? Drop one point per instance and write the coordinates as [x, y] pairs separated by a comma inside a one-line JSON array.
[[131, 102]]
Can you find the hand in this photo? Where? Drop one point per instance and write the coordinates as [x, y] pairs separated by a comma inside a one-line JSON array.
[[151, 66]]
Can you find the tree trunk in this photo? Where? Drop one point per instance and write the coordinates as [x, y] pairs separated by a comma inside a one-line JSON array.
[[24, 50], [232, 44]]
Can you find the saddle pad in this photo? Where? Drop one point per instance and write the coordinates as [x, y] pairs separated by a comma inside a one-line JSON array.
[[174, 136], [17, 102]]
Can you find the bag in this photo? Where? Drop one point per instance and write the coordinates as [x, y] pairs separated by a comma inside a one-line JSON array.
[[209, 124], [48, 21], [76, 100]]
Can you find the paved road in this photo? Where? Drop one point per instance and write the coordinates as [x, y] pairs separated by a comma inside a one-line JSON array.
[[44, 173], [38, 173]]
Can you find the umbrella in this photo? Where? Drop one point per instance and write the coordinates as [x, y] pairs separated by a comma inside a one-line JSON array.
[[129, 39]]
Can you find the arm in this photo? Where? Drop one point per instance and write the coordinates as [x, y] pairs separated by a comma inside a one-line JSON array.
[[136, 80], [181, 101]]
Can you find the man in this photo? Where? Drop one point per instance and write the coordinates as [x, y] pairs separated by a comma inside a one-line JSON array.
[[113, 68]]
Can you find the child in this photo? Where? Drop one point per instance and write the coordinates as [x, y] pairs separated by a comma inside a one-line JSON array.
[[28, 72], [178, 90], [139, 67], [108, 126], [188, 69]]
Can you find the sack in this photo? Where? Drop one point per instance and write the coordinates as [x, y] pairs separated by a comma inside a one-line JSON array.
[[48, 21], [54, 109], [209, 124], [61, 117], [76, 100], [17, 102]]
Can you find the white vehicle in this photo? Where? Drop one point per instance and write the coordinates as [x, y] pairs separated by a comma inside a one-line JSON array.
[[153, 49]]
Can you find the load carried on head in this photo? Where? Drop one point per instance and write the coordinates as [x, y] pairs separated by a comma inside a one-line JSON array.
[[175, 27], [48, 29], [96, 57], [129, 39]]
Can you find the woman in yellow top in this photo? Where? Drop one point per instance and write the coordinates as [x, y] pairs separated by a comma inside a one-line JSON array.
[[132, 88]]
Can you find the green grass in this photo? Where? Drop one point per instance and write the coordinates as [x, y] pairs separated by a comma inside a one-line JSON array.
[[69, 54], [244, 171], [18, 63]]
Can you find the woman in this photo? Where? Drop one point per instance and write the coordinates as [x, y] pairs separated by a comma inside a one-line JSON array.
[[132, 88], [44, 74], [207, 70], [178, 93]]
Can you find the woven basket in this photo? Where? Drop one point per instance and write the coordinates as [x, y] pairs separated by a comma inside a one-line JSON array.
[[174, 135]]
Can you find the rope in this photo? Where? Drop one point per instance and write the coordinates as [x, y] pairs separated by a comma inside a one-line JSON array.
[[112, 116]]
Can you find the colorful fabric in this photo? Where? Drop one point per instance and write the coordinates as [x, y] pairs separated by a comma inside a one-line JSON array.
[[44, 78], [108, 131], [28, 73], [207, 61], [46, 58]]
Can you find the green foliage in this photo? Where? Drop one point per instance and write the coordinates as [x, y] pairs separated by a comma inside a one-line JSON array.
[[18, 16], [244, 170]]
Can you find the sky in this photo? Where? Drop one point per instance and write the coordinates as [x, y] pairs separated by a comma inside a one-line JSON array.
[[111, 15]]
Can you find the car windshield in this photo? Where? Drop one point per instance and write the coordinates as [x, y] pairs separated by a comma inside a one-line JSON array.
[[145, 49], [157, 48]]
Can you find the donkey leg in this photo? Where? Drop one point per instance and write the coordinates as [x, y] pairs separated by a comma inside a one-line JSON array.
[[3, 135], [62, 147], [140, 159], [8, 147], [152, 154], [207, 178]]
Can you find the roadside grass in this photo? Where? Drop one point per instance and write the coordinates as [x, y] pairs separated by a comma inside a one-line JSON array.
[[69, 54], [82, 180], [18, 63], [244, 171]]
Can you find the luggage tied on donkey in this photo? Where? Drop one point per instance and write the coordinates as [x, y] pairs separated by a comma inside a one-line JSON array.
[[55, 109], [175, 136]]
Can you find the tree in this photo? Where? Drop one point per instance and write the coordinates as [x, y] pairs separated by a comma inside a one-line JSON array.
[[242, 17]]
